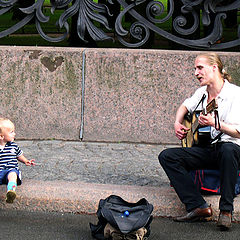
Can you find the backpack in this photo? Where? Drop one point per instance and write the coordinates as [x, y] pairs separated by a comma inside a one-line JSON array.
[[208, 181], [119, 219]]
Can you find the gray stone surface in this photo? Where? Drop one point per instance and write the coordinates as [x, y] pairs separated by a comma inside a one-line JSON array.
[[105, 163], [74, 176]]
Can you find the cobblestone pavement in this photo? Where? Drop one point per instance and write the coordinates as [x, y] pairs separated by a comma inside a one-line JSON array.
[[107, 163], [74, 176]]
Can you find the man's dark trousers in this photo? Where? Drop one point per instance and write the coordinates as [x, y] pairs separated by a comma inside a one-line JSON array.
[[177, 162]]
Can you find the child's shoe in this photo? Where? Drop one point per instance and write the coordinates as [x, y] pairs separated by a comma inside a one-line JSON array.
[[11, 192], [11, 195]]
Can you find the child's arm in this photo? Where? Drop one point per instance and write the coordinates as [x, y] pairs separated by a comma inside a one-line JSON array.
[[26, 161]]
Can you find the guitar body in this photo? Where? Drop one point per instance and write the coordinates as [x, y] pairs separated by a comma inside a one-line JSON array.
[[192, 138]]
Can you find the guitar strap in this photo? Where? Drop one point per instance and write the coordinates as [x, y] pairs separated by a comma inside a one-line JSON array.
[[217, 138], [217, 127], [201, 101], [217, 121]]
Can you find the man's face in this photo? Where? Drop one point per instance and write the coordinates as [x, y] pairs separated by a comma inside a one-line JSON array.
[[203, 71]]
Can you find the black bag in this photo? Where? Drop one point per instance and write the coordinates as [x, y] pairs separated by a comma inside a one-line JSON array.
[[208, 181], [122, 215]]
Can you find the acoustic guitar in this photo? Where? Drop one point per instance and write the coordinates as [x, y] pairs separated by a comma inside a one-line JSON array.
[[191, 122]]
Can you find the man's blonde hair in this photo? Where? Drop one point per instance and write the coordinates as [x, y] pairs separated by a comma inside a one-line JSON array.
[[213, 58]]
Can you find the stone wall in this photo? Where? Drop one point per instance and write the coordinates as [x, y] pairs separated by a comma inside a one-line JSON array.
[[129, 95]]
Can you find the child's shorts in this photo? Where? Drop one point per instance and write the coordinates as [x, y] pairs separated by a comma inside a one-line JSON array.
[[4, 175]]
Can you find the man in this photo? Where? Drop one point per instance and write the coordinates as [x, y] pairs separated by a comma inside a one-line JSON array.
[[223, 155]]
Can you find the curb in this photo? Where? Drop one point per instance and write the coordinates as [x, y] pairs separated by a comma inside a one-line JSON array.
[[80, 197]]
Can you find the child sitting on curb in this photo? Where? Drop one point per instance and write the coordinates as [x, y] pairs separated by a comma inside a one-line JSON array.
[[10, 154]]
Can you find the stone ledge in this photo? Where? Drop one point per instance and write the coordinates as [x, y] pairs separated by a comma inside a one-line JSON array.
[[80, 197]]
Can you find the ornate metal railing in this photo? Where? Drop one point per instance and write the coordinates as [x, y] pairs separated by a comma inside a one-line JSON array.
[[94, 18]]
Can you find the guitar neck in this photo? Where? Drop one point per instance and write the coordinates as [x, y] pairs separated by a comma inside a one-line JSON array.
[[209, 108]]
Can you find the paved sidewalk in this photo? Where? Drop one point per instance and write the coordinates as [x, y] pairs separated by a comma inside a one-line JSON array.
[[106, 163], [74, 176]]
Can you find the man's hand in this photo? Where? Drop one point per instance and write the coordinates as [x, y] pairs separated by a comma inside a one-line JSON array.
[[180, 130], [206, 120]]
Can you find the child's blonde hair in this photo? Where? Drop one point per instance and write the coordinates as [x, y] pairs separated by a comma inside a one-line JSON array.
[[4, 122]]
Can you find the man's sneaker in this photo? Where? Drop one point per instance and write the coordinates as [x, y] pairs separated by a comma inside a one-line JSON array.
[[11, 195]]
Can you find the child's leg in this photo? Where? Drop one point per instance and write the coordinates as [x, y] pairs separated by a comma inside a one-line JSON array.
[[12, 181], [11, 187]]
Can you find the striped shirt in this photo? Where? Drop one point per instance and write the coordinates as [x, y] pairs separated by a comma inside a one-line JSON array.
[[8, 156]]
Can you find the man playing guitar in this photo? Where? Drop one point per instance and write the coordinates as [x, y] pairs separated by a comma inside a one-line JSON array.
[[223, 154]]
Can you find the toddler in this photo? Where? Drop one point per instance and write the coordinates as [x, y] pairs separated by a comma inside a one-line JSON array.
[[10, 154]]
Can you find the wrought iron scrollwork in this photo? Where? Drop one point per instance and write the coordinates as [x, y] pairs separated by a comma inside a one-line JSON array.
[[93, 19]]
